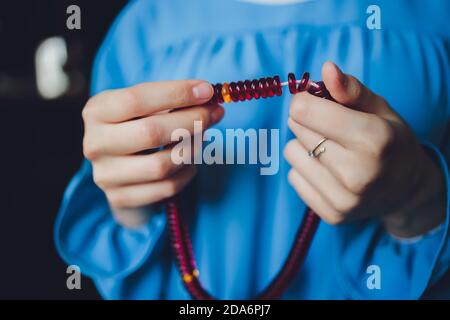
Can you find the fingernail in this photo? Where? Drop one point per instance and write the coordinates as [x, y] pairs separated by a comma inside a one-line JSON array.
[[202, 91], [216, 114]]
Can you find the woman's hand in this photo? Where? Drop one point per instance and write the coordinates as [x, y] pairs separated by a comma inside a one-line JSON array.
[[372, 165], [120, 125]]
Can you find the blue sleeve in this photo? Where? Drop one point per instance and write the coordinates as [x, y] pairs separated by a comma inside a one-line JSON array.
[[406, 269], [86, 233]]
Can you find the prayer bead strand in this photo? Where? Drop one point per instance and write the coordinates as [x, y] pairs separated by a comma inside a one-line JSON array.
[[178, 232], [265, 88]]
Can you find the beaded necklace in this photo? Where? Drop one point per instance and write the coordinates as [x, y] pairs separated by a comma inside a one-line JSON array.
[[179, 236]]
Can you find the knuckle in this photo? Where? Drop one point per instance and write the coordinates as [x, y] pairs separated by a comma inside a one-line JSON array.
[[203, 116], [293, 181], [341, 206], [335, 219], [92, 105], [368, 125], [181, 93], [289, 148], [98, 99], [99, 177], [384, 139], [291, 176], [116, 199], [358, 182], [90, 150], [344, 206], [171, 188], [300, 107], [129, 99], [356, 185], [161, 168], [379, 136], [86, 113], [151, 132]]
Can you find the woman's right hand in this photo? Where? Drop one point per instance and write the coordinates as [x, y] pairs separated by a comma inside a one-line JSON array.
[[120, 125]]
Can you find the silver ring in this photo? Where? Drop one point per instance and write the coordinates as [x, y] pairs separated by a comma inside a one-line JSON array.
[[317, 151]]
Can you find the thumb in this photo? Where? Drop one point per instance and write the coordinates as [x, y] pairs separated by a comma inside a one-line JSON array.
[[349, 91]]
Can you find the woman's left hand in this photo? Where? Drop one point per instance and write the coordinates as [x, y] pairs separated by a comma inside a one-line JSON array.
[[371, 165]]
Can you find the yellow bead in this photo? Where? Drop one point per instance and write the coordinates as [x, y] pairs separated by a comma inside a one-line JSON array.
[[226, 93], [187, 277]]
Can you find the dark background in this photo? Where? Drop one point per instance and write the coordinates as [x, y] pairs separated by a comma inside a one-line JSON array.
[[41, 141]]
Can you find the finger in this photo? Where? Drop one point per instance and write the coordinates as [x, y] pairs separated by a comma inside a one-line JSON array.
[[335, 157], [156, 131], [134, 169], [349, 91], [143, 194], [313, 198], [149, 98], [341, 199], [330, 119]]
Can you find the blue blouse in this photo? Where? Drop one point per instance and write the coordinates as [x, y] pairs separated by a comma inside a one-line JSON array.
[[243, 224]]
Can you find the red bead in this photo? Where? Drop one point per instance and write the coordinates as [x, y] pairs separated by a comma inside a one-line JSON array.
[[234, 91], [260, 88], [292, 83], [255, 90], [316, 88], [263, 88], [303, 85], [241, 91], [217, 97], [249, 92], [277, 86], [269, 87]]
